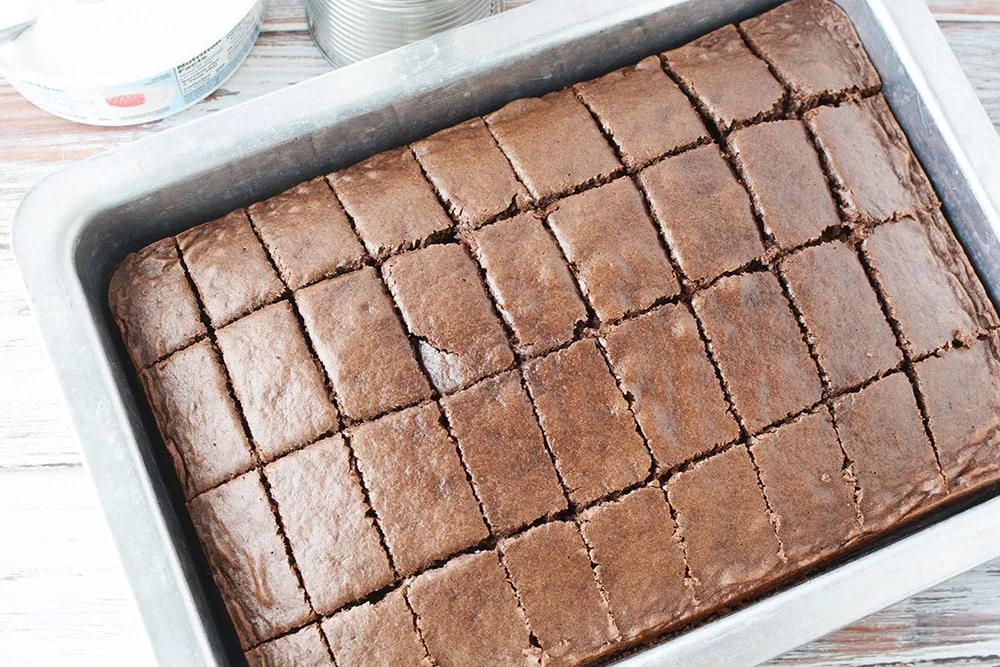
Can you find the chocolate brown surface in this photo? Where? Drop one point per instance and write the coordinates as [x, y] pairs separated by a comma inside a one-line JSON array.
[[882, 432], [393, 207], [364, 349], [247, 558], [612, 243], [382, 634], [808, 486], [444, 305], [731, 545], [197, 419], [786, 178], [152, 303], [764, 360], [704, 212], [533, 288], [875, 173], [551, 570], [661, 362], [278, 383], [851, 337], [307, 233], [962, 393], [552, 142], [586, 421], [732, 84], [304, 648], [471, 173], [814, 49], [229, 267], [504, 450], [480, 344], [640, 561], [469, 615], [643, 111], [418, 487], [926, 279], [326, 519]]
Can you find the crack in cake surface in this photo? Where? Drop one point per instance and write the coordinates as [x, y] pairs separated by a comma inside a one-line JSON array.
[[590, 330]]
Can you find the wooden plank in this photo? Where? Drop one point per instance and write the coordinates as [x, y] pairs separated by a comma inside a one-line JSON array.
[[63, 597], [34, 428], [956, 621], [285, 15], [977, 47], [958, 10]]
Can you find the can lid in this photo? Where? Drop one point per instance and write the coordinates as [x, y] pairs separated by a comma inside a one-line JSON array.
[[85, 43]]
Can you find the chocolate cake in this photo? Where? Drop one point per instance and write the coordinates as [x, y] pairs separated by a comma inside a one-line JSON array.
[[573, 376]]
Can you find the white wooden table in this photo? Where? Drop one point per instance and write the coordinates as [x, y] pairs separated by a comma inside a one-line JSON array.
[[63, 597]]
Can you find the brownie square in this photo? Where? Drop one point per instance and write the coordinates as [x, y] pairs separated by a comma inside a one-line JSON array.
[[723, 520], [245, 553], [928, 283], [417, 487], [814, 49], [307, 233], [786, 179], [304, 648], [733, 84], [759, 347], [808, 488], [361, 342], [444, 304], [962, 393], [471, 173], [610, 240], [375, 635], [277, 381], [326, 520], [391, 203], [503, 448], [551, 571], [643, 112], [660, 361], [882, 432], [195, 414], [530, 282], [850, 334], [589, 427], [469, 615], [640, 562], [704, 212], [553, 143], [153, 305], [876, 175], [229, 267]]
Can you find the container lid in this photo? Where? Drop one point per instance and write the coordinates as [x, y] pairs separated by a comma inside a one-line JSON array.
[[86, 43]]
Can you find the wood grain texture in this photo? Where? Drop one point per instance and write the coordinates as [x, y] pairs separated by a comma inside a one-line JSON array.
[[958, 10], [63, 599]]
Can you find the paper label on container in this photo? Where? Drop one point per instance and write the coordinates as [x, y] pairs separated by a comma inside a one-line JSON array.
[[154, 97]]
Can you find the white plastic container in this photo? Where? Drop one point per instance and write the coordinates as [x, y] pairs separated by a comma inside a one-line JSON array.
[[125, 62]]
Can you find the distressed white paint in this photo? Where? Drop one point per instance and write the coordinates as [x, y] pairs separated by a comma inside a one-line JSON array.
[[63, 599]]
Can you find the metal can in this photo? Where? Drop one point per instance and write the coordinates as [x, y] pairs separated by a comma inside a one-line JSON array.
[[347, 31]]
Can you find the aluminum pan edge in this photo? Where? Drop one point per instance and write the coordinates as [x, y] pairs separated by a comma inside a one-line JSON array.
[[56, 219], [60, 219], [834, 599]]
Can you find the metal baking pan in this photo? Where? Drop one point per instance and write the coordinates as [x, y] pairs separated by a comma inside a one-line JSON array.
[[75, 226]]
